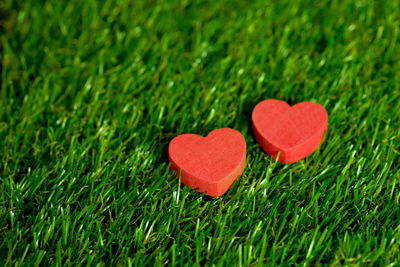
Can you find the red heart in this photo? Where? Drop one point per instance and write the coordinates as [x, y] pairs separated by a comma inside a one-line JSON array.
[[210, 164], [295, 131]]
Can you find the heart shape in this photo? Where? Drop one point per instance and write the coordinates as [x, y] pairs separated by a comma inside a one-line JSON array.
[[210, 164], [295, 131]]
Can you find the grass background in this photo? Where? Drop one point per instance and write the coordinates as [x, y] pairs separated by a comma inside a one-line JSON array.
[[93, 91]]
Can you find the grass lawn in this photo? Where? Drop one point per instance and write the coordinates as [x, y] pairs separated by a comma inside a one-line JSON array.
[[93, 91]]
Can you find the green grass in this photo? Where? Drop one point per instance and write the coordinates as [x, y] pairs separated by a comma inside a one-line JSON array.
[[93, 91]]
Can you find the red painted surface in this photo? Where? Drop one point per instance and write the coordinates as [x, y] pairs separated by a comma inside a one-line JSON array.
[[210, 164], [295, 131]]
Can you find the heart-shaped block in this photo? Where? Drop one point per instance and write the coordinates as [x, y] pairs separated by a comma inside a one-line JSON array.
[[210, 164], [295, 131]]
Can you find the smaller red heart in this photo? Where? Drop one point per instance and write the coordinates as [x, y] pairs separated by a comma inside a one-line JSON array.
[[295, 131], [210, 164]]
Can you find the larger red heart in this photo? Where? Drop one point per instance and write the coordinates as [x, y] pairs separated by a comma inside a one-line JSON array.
[[294, 132], [210, 164]]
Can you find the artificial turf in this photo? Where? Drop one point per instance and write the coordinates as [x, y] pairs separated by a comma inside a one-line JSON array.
[[93, 91]]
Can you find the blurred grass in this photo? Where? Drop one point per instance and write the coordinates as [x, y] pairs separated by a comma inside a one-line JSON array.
[[93, 91]]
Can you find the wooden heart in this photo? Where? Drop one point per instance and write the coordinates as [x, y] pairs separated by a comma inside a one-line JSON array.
[[210, 164], [295, 132]]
